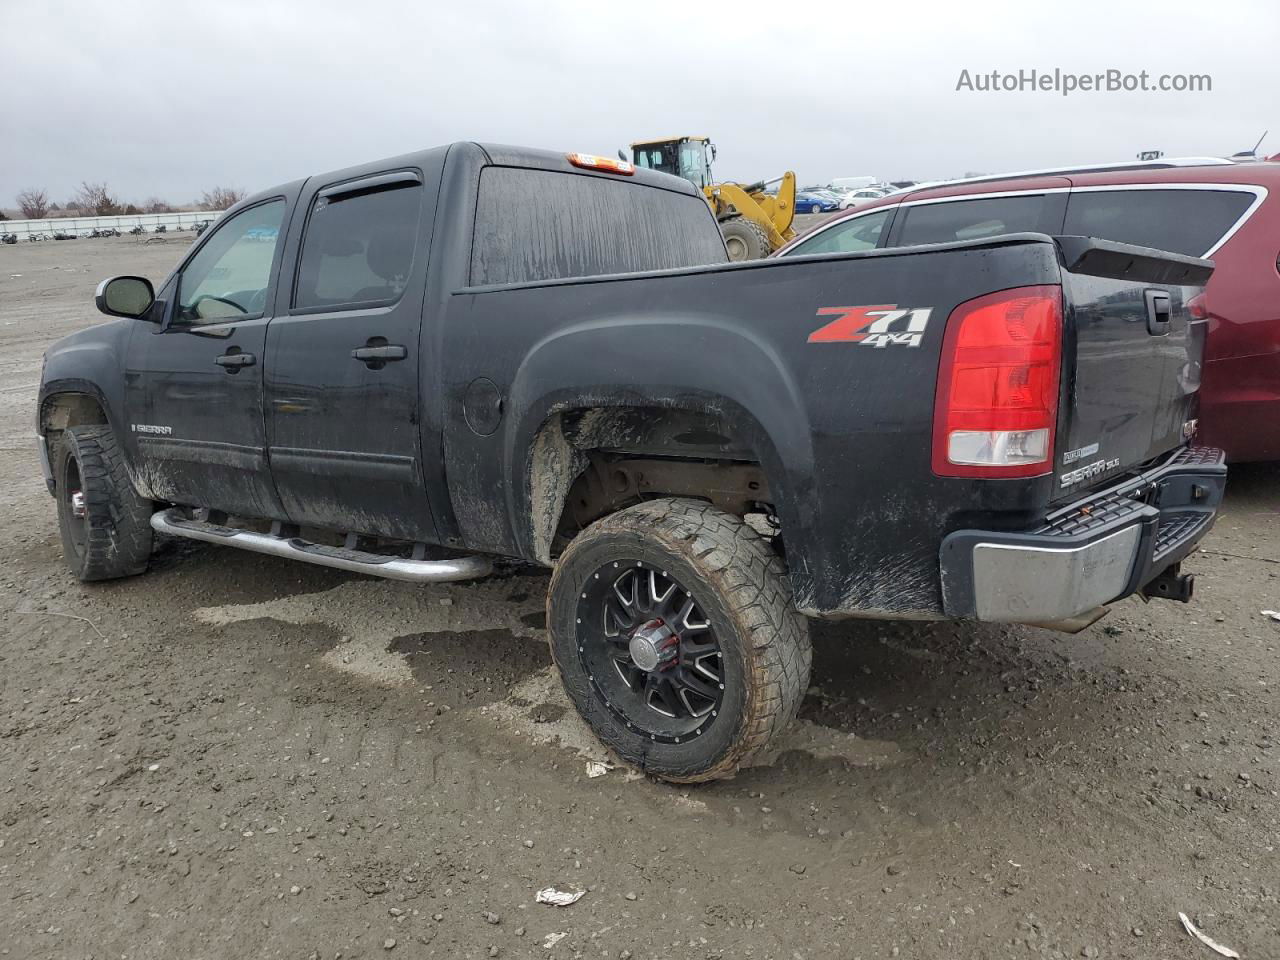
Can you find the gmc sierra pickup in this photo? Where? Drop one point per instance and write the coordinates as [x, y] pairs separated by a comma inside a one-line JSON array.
[[408, 367]]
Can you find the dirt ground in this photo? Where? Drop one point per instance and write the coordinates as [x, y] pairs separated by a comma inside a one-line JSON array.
[[236, 756]]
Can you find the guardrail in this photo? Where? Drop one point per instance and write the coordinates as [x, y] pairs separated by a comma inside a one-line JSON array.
[[84, 226]]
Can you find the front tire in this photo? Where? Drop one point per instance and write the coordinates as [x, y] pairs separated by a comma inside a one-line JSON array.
[[673, 627], [744, 239], [105, 525]]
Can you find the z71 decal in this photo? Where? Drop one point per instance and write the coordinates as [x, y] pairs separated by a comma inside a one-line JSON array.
[[878, 326]]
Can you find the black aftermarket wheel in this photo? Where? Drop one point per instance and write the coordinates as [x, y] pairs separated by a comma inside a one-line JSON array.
[[674, 631]]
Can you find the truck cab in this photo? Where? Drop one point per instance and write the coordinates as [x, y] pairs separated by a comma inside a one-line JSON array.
[[686, 157]]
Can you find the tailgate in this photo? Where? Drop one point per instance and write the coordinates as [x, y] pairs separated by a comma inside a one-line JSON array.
[[1137, 349]]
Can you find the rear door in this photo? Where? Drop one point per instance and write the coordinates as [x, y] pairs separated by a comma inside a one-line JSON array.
[[343, 360]]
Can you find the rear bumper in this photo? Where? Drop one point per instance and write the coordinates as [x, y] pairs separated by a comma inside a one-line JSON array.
[[1097, 550]]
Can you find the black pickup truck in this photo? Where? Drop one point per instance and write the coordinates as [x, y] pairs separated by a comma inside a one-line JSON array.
[[406, 368]]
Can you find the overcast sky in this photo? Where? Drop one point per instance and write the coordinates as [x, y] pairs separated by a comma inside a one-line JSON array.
[[168, 98]]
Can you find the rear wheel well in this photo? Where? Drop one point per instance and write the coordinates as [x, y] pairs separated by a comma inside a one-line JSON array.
[[588, 463]]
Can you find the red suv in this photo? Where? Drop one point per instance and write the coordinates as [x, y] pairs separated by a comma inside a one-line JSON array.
[[1228, 212]]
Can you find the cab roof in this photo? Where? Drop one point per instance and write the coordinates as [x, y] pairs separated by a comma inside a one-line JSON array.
[[503, 155], [647, 143]]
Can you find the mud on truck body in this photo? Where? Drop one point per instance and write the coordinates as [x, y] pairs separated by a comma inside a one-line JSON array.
[[411, 367]]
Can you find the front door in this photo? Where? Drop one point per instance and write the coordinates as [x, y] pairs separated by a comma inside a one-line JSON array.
[[342, 377], [194, 380]]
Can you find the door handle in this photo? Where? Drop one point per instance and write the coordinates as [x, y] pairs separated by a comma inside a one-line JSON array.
[[234, 360], [1159, 313], [377, 353], [391, 351]]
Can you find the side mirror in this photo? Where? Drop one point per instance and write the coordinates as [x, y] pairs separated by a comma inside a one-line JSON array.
[[623, 157], [129, 297]]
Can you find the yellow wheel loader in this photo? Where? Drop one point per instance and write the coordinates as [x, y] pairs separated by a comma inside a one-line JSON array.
[[754, 223]]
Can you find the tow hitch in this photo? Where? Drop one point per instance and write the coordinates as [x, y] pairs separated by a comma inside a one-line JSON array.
[[1171, 585]]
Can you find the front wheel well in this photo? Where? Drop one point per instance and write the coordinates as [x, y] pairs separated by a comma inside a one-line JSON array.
[[62, 411]]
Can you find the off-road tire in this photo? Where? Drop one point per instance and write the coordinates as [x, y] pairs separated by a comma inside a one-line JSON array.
[[741, 586], [745, 236], [115, 532]]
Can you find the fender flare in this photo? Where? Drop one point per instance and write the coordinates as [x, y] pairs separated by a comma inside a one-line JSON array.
[[75, 386], [732, 375]]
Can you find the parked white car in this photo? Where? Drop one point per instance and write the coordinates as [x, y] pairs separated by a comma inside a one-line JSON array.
[[854, 198]]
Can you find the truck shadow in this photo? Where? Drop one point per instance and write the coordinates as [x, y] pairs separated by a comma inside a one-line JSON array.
[[898, 707], [1253, 484], [968, 697]]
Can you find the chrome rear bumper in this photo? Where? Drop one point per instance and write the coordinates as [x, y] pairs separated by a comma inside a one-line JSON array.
[[1095, 551]]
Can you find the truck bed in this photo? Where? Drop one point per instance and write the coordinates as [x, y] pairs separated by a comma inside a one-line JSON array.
[[840, 419]]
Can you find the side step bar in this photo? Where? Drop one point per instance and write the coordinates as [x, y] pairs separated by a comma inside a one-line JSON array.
[[172, 522]]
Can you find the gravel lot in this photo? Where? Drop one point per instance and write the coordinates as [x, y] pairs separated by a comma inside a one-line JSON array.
[[236, 756]]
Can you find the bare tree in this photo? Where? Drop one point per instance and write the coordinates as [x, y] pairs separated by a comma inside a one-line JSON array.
[[219, 198], [156, 205], [34, 203], [96, 199]]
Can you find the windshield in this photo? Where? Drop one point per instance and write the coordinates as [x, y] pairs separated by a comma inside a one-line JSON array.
[[693, 163]]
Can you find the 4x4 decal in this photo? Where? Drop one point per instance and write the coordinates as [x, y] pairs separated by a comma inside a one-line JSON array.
[[875, 326]]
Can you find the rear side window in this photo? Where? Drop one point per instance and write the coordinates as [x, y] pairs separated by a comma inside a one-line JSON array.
[[358, 248], [860, 233], [1190, 222], [971, 219], [542, 225]]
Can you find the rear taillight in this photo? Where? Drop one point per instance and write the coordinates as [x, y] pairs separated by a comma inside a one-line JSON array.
[[997, 400], [1198, 307]]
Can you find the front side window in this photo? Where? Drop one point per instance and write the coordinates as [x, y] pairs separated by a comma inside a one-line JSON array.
[[358, 248], [859, 233], [227, 279], [1190, 222], [946, 222]]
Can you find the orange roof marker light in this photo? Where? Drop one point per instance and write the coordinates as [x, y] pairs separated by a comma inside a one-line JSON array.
[[589, 161]]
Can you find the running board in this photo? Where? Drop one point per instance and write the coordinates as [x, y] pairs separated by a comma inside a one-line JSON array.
[[172, 522]]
